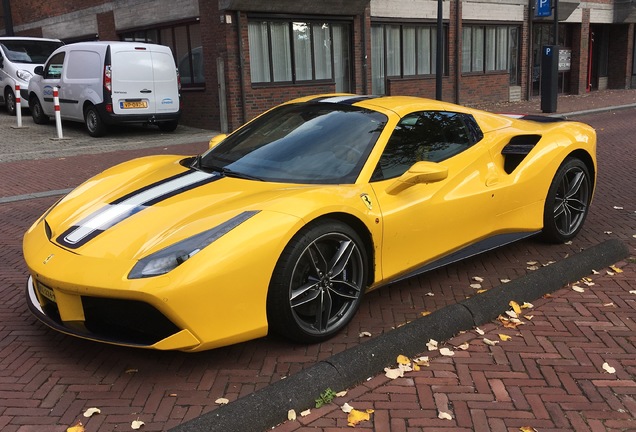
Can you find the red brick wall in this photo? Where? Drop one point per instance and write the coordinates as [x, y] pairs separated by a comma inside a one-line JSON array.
[[26, 11], [580, 54], [421, 86], [106, 26], [621, 47], [489, 87]]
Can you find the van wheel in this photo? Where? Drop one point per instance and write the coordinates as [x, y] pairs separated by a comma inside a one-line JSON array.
[[9, 101], [93, 122], [37, 112], [169, 126]]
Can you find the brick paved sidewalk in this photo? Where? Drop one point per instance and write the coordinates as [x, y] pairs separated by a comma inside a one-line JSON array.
[[548, 376]]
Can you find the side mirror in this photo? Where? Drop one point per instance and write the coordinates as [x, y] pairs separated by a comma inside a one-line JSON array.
[[216, 140], [420, 172], [39, 70]]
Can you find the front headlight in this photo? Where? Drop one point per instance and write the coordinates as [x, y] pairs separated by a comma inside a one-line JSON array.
[[165, 260], [24, 75]]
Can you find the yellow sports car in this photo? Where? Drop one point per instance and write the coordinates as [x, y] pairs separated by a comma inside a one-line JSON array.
[[283, 225]]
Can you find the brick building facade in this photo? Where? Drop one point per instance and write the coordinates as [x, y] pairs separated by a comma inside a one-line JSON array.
[[240, 57]]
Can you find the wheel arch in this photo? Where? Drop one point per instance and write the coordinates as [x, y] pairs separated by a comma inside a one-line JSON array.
[[365, 235], [586, 158]]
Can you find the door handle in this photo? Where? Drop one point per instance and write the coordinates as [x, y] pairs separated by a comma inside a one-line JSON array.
[[146, 91]]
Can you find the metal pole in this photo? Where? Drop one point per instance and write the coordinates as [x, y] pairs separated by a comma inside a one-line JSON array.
[[439, 70], [556, 22]]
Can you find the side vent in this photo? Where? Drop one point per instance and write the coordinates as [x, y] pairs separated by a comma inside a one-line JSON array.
[[517, 149]]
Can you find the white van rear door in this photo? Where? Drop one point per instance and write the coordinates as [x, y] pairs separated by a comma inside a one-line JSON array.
[[132, 81], [166, 85]]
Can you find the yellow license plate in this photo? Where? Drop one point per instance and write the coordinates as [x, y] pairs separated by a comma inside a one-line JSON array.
[[136, 104], [46, 292]]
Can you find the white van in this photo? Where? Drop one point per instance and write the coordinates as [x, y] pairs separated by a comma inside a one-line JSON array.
[[105, 83], [19, 57]]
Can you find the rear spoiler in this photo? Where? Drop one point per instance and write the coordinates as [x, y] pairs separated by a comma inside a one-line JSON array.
[[537, 118]]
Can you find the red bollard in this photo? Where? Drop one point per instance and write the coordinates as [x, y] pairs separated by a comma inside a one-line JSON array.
[[18, 105], [58, 118]]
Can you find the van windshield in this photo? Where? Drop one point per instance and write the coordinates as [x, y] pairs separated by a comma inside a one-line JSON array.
[[29, 51]]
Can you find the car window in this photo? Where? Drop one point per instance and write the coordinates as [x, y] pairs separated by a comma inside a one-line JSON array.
[[426, 136], [305, 143], [53, 69]]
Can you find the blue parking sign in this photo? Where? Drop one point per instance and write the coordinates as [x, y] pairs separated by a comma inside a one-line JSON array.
[[544, 8]]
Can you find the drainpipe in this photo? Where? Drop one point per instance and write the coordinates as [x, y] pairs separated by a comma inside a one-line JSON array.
[[239, 23], [8, 21], [458, 69], [529, 51]]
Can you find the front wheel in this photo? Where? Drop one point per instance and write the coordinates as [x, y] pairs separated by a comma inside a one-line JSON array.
[[37, 112], [94, 124], [568, 201], [318, 282], [9, 101]]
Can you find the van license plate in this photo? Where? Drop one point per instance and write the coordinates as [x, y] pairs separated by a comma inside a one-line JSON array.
[[46, 292], [137, 104]]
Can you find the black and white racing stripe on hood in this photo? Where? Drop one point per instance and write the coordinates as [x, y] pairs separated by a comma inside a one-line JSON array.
[[132, 203], [346, 100]]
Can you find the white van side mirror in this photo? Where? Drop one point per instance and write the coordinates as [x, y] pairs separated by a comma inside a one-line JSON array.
[[39, 70]]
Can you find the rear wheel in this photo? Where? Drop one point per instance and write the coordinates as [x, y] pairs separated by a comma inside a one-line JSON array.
[[567, 203], [9, 101], [39, 117], [92, 120], [318, 282], [168, 126]]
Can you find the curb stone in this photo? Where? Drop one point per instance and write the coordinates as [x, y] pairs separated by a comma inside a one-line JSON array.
[[268, 407]]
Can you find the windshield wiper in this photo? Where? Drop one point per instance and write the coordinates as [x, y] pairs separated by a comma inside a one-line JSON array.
[[227, 172]]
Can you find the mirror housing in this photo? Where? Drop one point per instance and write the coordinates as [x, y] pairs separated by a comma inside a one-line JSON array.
[[419, 173], [215, 140], [39, 70]]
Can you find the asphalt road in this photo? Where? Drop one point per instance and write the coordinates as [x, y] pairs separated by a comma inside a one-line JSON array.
[[47, 380]]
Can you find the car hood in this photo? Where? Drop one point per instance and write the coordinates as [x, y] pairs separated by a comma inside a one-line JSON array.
[[145, 205]]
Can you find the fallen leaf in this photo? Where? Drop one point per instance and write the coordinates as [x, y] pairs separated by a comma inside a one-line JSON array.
[[504, 337], [403, 360], [533, 268], [504, 280], [422, 361], [137, 424], [430, 294], [172, 395], [356, 417], [291, 415], [607, 368], [527, 429], [609, 273], [463, 346], [515, 306], [490, 342], [446, 352], [393, 373], [578, 289], [478, 279], [595, 272], [431, 344], [547, 264], [527, 305], [131, 371], [77, 428], [531, 263], [222, 401], [512, 314], [475, 286], [607, 232], [528, 317], [479, 331], [346, 408], [632, 291], [89, 412], [568, 242], [305, 413], [616, 269], [364, 334], [341, 394], [444, 416], [611, 304], [481, 291], [425, 313], [618, 207]]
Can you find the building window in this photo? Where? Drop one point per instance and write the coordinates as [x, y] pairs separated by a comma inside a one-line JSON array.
[[402, 51], [185, 42], [299, 52], [490, 48]]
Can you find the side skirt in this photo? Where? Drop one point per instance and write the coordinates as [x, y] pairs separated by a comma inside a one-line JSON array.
[[474, 249]]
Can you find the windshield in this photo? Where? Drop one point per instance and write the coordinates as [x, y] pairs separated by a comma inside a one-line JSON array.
[[29, 51], [300, 143]]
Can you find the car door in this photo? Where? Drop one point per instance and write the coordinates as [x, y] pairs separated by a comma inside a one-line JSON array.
[[425, 221], [52, 78]]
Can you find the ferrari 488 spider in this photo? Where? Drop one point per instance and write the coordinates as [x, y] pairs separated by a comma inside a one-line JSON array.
[[283, 225]]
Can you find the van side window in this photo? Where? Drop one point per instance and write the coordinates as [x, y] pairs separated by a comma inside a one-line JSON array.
[[83, 65], [53, 69]]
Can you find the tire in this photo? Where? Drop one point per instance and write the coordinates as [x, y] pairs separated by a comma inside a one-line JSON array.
[[313, 295], [168, 126], [93, 122], [567, 203], [39, 117], [9, 101]]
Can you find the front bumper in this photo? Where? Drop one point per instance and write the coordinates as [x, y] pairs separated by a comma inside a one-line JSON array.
[[115, 321]]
